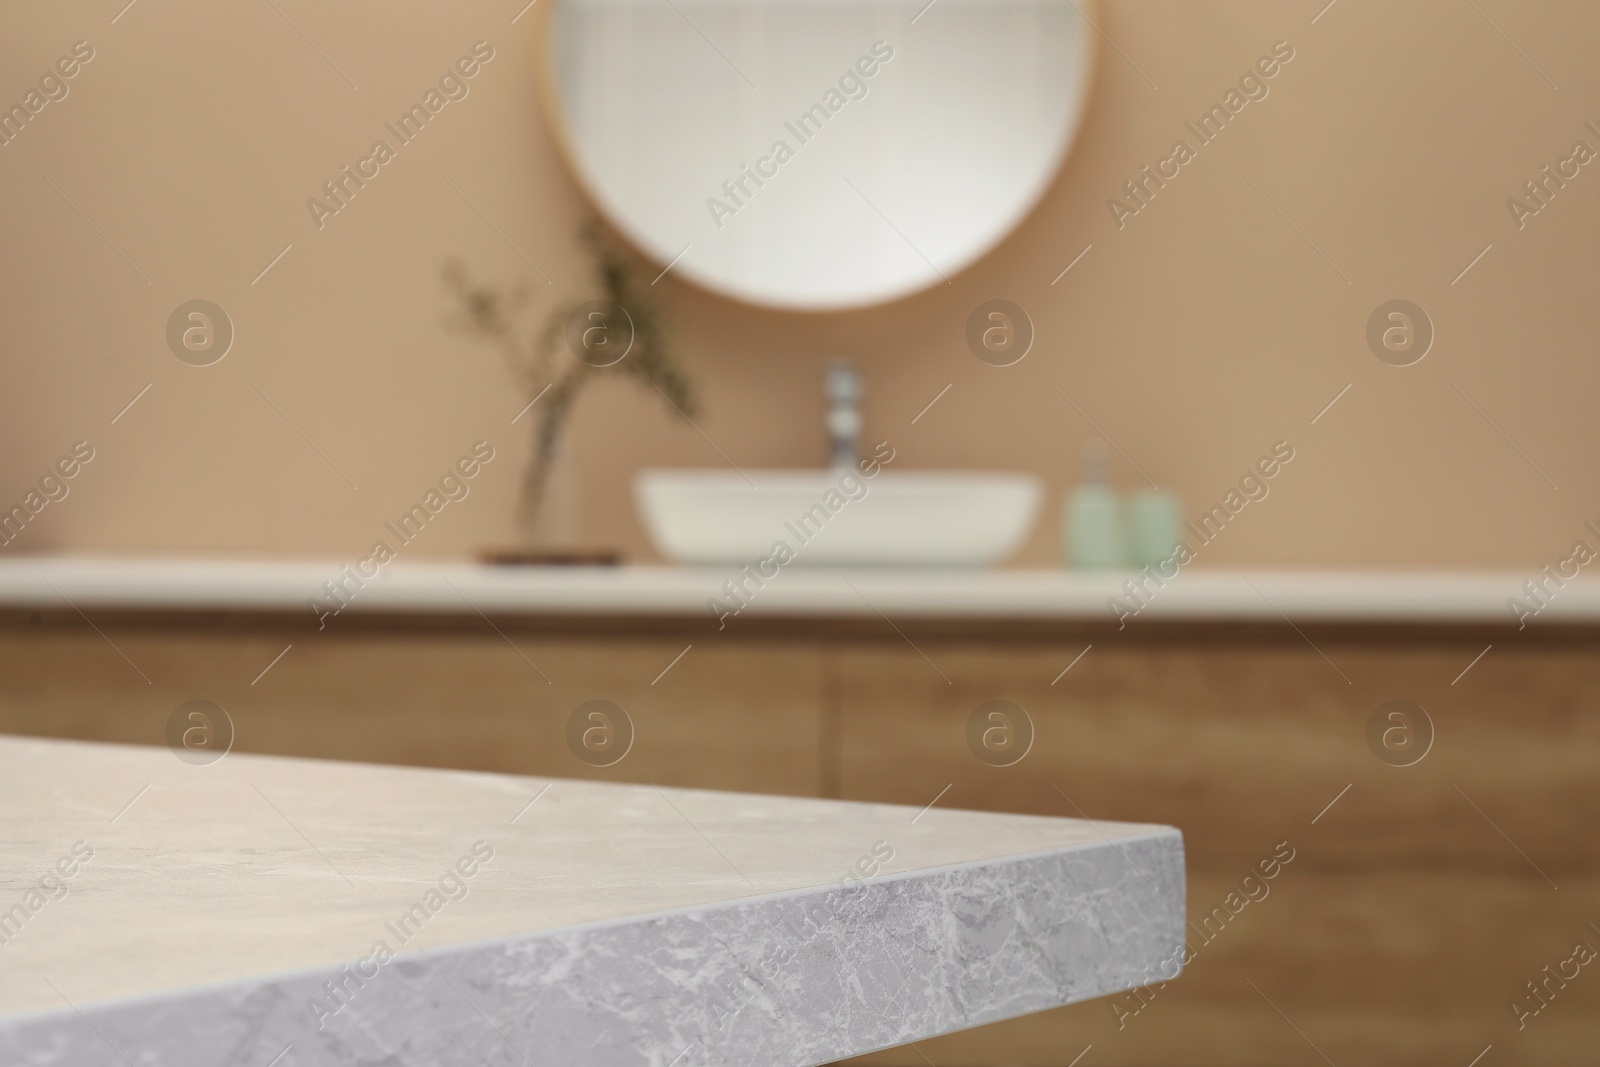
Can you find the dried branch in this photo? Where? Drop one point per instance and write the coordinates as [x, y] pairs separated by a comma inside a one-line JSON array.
[[488, 314]]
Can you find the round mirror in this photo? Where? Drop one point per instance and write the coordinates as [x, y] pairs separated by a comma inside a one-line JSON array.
[[817, 155]]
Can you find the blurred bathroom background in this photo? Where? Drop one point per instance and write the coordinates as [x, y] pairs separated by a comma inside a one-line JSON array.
[[1212, 321]]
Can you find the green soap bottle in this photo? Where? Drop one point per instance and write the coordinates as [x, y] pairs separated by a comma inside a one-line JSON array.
[[1093, 518]]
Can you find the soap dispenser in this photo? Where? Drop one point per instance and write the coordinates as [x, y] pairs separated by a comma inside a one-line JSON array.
[[1093, 517]]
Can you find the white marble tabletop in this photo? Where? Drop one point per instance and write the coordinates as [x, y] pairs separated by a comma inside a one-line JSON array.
[[438, 587], [269, 912]]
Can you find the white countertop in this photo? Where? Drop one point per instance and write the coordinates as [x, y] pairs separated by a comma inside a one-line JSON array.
[[202, 914], [453, 588]]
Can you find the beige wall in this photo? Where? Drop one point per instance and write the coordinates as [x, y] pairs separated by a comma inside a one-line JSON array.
[[1195, 337]]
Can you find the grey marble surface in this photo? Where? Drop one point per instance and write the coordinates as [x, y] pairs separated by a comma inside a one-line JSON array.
[[233, 914]]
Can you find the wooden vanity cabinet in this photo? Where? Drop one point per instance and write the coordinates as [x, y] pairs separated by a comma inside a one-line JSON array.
[[1408, 909]]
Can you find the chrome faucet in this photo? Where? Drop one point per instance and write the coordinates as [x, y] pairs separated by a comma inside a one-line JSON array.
[[843, 389]]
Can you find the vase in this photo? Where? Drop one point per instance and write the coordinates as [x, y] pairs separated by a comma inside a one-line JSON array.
[[550, 507]]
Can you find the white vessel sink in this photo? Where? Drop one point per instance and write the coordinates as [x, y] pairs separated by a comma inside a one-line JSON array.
[[837, 518]]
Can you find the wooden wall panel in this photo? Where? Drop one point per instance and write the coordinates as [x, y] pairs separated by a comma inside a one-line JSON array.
[[740, 717], [1241, 745]]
